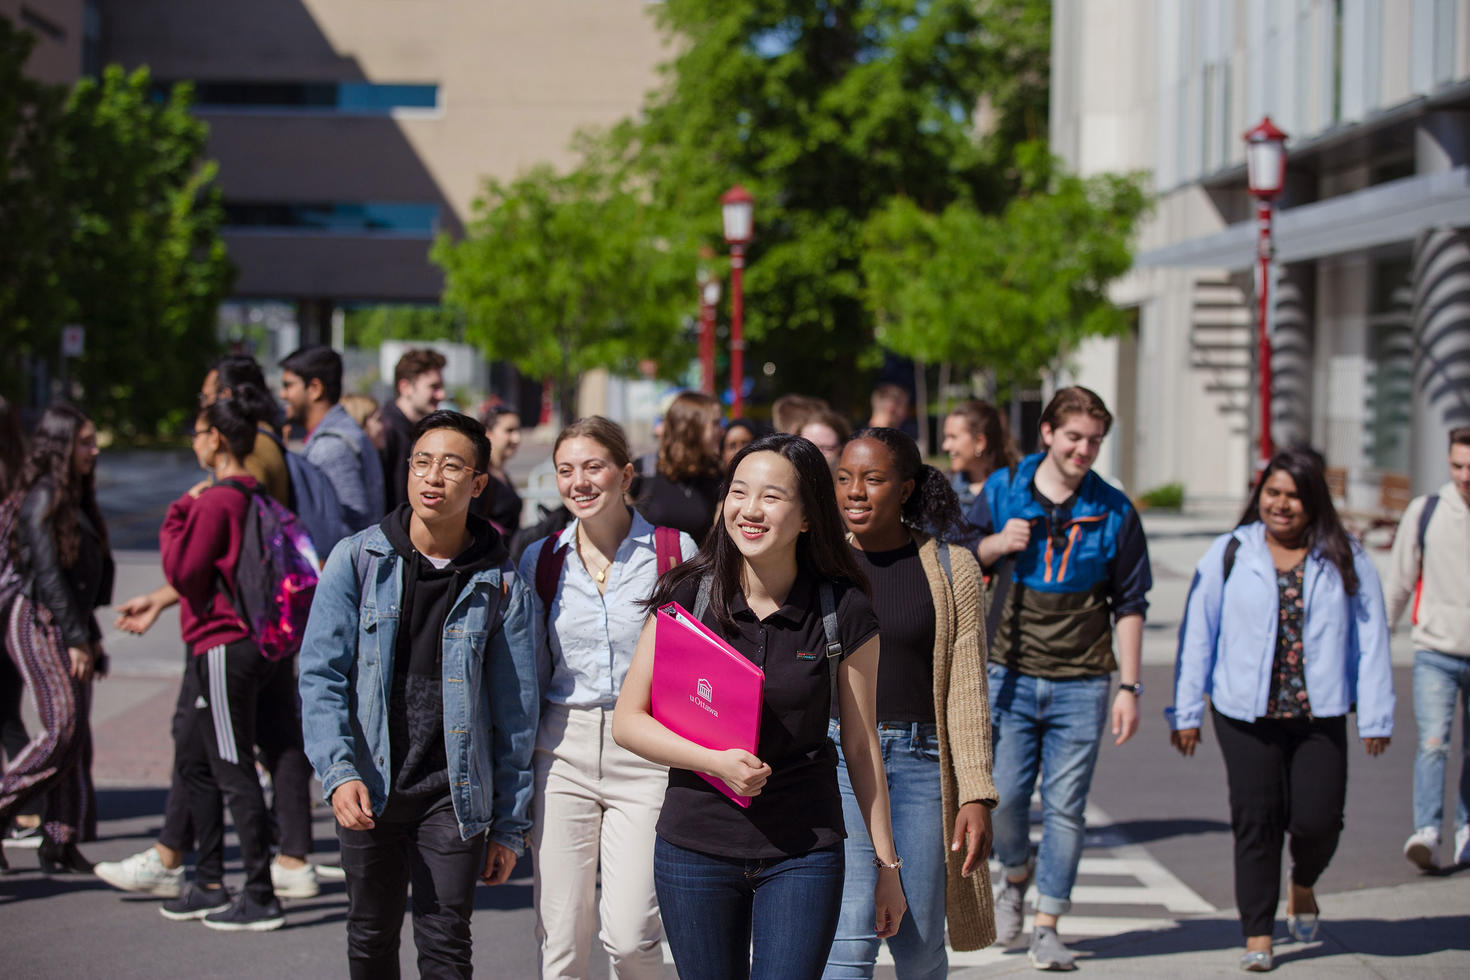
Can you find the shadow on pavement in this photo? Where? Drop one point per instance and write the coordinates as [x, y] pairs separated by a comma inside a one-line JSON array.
[[1148, 831], [1367, 937], [130, 802]]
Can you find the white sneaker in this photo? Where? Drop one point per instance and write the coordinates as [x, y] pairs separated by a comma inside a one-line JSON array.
[[1462, 845], [143, 872], [294, 882], [1421, 846], [330, 872]]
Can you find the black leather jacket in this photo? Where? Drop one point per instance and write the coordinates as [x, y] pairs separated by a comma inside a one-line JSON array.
[[70, 594]]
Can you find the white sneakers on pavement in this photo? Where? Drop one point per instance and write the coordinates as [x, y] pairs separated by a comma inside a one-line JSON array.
[[1462, 845], [1421, 848], [144, 873], [294, 882]]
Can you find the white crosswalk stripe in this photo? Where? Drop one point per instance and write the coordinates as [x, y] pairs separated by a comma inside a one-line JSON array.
[[1117, 881]]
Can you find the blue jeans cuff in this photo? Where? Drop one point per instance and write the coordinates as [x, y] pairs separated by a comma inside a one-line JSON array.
[[1052, 906]]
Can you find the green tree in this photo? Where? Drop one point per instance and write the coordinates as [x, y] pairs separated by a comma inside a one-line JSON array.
[[370, 326], [560, 274], [129, 247], [826, 112], [1013, 291]]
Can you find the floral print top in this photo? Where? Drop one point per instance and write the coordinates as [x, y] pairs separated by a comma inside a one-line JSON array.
[[1288, 674]]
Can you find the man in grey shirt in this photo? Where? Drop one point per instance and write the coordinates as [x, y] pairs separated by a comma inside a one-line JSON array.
[[311, 385]]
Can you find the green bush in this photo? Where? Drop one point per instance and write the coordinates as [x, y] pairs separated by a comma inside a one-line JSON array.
[[1170, 496]]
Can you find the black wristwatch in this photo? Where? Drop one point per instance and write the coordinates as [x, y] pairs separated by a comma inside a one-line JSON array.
[[1135, 689]]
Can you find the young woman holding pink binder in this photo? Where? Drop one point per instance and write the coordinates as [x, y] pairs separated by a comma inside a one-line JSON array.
[[756, 891], [595, 802], [933, 711]]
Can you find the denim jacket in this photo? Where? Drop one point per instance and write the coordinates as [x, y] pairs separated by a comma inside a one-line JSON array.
[[491, 703], [1227, 642]]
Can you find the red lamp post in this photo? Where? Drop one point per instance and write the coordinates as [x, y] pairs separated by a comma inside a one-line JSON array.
[[1265, 164], [736, 211]]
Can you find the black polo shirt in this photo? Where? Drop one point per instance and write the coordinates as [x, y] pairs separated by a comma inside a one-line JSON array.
[[799, 809]]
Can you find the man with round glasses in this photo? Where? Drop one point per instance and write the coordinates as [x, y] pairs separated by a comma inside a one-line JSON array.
[[420, 705]]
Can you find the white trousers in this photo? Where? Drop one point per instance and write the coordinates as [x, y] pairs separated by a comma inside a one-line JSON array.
[[594, 800]]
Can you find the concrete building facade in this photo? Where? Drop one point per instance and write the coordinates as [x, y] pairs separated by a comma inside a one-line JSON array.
[[1370, 318], [350, 132]]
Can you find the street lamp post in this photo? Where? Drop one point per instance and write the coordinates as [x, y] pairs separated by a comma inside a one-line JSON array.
[[1265, 164], [736, 212]]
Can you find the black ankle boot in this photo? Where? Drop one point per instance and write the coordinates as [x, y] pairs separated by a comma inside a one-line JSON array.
[[62, 859]]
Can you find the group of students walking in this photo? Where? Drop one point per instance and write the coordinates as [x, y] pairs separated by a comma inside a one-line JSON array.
[[461, 708]]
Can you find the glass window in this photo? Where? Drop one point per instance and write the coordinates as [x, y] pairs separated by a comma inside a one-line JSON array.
[[401, 217], [365, 98]]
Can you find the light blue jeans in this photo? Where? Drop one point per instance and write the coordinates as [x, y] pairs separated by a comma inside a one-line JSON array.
[[1438, 678], [1052, 728], [911, 764]]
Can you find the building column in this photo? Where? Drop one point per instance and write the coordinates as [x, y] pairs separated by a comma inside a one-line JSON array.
[[314, 321], [1291, 354], [1441, 350]]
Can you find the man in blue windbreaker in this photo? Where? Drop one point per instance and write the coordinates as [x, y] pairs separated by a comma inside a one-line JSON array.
[[1072, 572]]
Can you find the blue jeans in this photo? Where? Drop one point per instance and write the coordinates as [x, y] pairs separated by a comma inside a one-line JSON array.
[[1054, 728], [911, 763], [1437, 679], [732, 918]]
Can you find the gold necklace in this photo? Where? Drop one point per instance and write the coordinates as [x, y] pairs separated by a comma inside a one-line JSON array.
[[583, 546]]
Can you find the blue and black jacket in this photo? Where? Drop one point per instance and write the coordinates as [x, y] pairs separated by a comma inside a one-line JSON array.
[[1085, 566]]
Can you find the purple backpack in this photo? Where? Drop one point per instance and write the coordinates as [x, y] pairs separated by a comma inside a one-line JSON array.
[[275, 575]]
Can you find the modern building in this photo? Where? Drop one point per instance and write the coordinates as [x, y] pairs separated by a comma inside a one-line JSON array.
[[66, 36], [1370, 311], [350, 132]]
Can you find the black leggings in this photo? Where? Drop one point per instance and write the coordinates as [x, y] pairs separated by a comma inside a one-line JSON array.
[[1287, 776]]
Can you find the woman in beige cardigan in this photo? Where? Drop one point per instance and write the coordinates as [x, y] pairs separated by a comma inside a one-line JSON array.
[[933, 710]]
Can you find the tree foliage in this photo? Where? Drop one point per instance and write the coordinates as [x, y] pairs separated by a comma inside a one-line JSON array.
[[560, 274], [369, 326], [119, 234], [826, 112], [1011, 291]]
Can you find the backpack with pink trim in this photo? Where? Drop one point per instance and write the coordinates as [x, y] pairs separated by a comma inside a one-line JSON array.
[[549, 562]]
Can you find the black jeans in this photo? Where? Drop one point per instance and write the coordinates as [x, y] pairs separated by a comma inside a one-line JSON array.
[[279, 736], [228, 686], [1287, 776], [380, 863]]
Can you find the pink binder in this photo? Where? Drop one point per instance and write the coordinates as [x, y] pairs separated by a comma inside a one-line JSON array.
[[704, 689]]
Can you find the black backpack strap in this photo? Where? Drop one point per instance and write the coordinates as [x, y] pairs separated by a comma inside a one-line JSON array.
[[701, 598], [1430, 502], [1231, 547], [834, 641]]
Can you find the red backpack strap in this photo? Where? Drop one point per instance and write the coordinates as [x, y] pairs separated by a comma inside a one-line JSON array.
[[666, 548], [548, 570]]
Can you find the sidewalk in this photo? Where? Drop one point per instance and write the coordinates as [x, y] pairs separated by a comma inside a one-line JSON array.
[[1417, 931]]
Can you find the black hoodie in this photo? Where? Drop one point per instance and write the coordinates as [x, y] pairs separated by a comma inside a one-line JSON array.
[[420, 772]]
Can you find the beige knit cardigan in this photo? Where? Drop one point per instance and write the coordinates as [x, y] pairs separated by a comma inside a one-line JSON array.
[[962, 716]]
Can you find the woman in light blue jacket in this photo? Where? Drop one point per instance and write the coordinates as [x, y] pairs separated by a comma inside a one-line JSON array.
[[1285, 631]]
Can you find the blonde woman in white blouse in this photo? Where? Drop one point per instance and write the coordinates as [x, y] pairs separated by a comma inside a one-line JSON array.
[[594, 802]]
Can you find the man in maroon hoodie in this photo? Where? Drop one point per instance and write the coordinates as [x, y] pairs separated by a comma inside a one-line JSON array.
[[228, 680]]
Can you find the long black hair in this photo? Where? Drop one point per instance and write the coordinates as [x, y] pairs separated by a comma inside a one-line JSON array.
[[821, 550], [933, 507], [1325, 533], [52, 458]]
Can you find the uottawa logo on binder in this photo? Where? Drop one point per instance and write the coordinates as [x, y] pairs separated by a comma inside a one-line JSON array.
[[691, 663]]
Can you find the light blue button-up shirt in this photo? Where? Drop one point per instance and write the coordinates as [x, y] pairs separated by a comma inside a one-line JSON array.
[[584, 647]]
